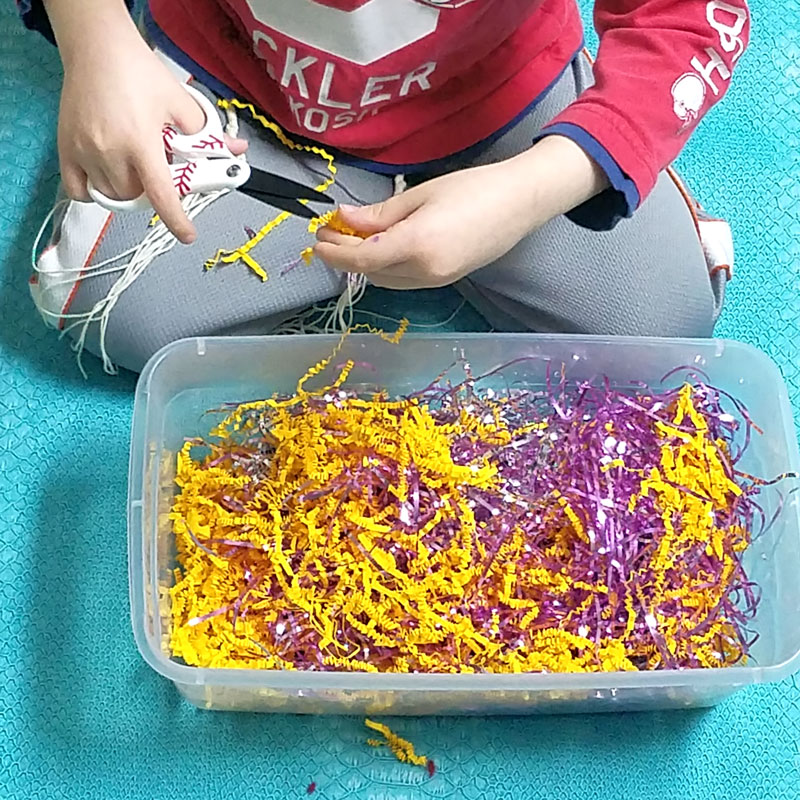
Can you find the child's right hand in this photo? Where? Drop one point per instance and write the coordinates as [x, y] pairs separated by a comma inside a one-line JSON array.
[[113, 108], [116, 98]]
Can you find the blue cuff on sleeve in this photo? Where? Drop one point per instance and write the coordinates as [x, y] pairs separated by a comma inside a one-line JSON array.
[[34, 17], [620, 200]]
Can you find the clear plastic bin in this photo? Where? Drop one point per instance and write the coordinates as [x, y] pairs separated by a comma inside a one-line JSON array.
[[187, 378]]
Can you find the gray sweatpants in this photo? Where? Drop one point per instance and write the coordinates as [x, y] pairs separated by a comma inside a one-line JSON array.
[[648, 276]]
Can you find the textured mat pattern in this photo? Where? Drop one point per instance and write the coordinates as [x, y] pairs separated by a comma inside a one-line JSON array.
[[83, 717]]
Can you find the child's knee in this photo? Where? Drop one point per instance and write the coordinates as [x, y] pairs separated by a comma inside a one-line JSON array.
[[673, 299], [649, 277], [677, 297], [169, 302], [670, 297], [131, 336], [686, 309]]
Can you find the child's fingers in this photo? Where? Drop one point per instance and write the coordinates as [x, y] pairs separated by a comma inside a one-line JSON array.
[[404, 275], [97, 177], [327, 234], [186, 114], [124, 181], [73, 178], [236, 146], [381, 216], [369, 255], [386, 280], [157, 182]]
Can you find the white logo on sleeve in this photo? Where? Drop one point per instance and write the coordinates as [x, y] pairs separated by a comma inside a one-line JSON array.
[[728, 20], [365, 35], [688, 95]]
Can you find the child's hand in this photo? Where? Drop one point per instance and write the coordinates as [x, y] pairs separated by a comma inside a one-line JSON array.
[[438, 232], [117, 97]]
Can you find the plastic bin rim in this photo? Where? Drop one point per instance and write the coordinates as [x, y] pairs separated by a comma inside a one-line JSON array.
[[346, 681], [199, 344], [297, 680]]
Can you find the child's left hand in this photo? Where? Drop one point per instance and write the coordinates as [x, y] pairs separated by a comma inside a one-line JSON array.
[[438, 232]]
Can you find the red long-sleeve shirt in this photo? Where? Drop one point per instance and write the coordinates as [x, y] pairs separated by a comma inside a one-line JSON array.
[[401, 83]]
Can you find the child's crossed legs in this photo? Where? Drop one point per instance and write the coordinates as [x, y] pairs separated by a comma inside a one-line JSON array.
[[646, 277]]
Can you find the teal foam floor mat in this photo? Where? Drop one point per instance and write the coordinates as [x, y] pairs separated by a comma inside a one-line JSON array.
[[82, 716]]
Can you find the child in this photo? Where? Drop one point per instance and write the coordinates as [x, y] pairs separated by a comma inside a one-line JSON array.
[[539, 183]]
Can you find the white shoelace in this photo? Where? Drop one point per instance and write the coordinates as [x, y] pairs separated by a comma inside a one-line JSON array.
[[157, 241], [336, 316]]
